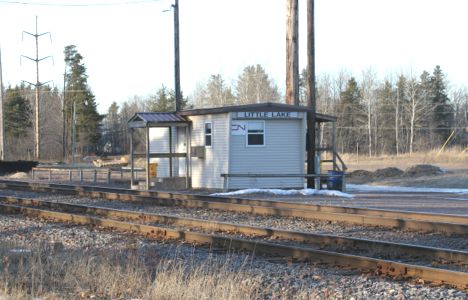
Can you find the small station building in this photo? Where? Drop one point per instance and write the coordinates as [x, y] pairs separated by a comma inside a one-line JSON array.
[[234, 147]]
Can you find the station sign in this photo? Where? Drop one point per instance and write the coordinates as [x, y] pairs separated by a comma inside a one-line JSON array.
[[267, 115]]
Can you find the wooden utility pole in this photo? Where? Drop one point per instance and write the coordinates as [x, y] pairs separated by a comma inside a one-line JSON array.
[[176, 56], [38, 84], [292, 53], [2, 121], [311, 120], [64, 121]]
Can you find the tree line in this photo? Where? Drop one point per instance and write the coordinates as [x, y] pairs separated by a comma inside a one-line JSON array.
[[69, 121], [399, 114]]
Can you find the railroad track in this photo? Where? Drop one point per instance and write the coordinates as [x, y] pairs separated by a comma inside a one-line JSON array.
[[333, 250], [431, 222]]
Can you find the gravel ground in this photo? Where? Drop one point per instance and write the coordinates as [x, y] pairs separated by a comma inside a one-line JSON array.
[[459, 242], [278, 277]]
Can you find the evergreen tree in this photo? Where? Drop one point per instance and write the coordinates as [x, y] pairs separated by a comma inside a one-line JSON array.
[[385, 118], [351, 117], [442, 118], [163, 101], [112, 126], [17, 112], [79, 95]]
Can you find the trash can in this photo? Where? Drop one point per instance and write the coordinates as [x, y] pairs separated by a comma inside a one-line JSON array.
[[335, 182], [153, 169]]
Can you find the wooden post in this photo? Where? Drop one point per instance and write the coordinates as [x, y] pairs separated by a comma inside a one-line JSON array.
[[170, 151], [121, 173], [292, 53], [109, 175], [176, 57], [95, 176], [131, 158], [70, 175], [33, 174], [81, 175], [187, 156], [50, 174], [225, 182], [2, 119], [334, 145], [311, 117], [147, 159]]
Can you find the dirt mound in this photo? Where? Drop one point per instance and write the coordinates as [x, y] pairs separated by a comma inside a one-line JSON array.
[[388, 172], [360, 174], [19, 175], [424, 170]]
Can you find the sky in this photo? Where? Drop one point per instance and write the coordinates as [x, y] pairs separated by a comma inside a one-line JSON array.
[[127, 45]]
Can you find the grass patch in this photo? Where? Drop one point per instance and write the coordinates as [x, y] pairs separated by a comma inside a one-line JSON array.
[[45, 272], [450, 158]]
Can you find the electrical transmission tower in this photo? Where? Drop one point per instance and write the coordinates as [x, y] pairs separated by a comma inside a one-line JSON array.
[[38, 84], [2, 122]]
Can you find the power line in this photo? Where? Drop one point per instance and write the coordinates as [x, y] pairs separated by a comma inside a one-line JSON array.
[[77, 5]]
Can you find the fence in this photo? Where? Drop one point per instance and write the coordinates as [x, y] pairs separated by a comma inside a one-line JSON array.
[[85, 174]]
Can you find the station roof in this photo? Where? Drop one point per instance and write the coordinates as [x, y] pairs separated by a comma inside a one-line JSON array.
[[258, 107], [164, 119]]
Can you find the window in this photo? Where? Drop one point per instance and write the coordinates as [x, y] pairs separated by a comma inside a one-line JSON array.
[[256, 133], [208, 134]]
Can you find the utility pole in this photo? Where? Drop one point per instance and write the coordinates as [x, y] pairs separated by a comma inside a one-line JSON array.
[[2, 121], [64, 102], [292, 53], [311, 117], [176, 56], [38, 84]]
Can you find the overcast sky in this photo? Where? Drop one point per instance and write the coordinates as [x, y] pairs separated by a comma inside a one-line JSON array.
[[128, 48]]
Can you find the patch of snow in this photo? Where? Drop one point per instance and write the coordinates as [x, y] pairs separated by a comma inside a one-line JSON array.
[[404, 189], [280, 192]]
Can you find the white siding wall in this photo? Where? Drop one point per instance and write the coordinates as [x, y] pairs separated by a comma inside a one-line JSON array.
[[206, 172], [283, 153], [159, 143]]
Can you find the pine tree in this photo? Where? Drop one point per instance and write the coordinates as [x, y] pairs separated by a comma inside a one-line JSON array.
[[164, 100], [351, 116], [78, 94], [17, 112], [442, 118]]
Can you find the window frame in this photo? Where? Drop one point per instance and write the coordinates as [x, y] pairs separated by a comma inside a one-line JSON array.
[[208, 134], [247, 134]]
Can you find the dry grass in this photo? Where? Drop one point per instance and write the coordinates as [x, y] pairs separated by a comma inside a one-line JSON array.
[[453, 159], [46, 273]]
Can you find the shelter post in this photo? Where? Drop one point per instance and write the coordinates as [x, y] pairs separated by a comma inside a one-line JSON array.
[[131, 158], [147, 158], [187, 155], [170, 151]]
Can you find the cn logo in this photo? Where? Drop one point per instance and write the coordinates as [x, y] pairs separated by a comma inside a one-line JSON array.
[[238, 128]]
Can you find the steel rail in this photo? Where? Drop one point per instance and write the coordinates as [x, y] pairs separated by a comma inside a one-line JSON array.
[[448, 218], [377, 266], [383, 248], [186, 200]]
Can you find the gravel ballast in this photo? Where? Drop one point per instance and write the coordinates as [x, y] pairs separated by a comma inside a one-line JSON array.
[[431, 239], [279, 278]]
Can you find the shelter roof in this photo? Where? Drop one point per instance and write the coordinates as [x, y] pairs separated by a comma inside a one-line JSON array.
[[157, 119]]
